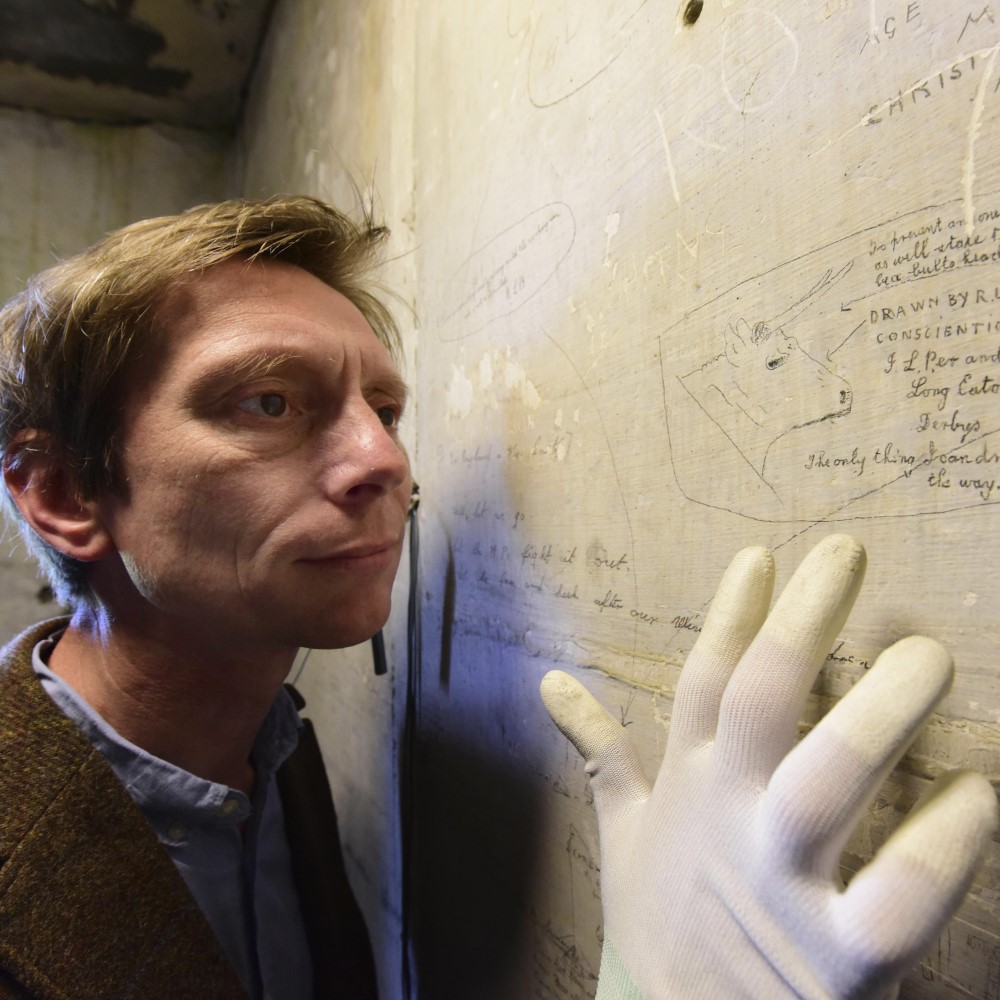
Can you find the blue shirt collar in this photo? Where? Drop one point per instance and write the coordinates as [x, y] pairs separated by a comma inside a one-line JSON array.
[[164, 791]]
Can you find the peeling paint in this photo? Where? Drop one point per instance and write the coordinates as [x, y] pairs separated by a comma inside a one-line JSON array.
[[459, 400], [516, 379], [494, 380], [75, 41], [661, 718], [127, 61], [611, 228], [485, 372]]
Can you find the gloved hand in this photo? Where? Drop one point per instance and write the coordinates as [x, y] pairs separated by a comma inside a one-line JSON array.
[[721, 880]]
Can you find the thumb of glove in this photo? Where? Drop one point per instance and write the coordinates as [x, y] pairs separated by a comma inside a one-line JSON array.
[[617, 777]]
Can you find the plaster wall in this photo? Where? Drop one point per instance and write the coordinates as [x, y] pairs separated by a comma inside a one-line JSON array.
[[599, 210], [63, 185]]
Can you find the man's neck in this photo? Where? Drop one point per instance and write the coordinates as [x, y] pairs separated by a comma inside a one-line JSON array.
[[179, 699]]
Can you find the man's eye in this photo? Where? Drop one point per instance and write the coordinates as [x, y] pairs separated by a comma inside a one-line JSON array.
[[268, 404], [389, 415]]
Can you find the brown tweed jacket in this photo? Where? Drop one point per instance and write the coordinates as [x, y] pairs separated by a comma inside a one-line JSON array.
[[92, 907]]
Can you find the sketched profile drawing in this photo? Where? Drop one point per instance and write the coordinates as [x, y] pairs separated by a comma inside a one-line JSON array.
[[762, 386]]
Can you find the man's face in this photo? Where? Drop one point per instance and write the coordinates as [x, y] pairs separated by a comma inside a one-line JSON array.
[[266, 489]]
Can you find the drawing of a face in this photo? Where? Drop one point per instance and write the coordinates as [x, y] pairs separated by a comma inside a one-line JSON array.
[[762, 386]]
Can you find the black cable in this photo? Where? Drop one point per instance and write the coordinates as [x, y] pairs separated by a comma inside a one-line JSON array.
[[378, 653], [407, 743], [408, 740], [298, 673]]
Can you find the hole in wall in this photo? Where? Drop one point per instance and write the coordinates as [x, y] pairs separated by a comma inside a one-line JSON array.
[[692, 11]]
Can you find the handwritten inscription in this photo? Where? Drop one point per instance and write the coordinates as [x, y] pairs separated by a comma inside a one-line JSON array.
[[492, 550], [561, 970], [937, 248], [685, 622], [839, 655], [545, 448], [583, 861], [883, 375], [977, 471], [507, 271], [939, 356]]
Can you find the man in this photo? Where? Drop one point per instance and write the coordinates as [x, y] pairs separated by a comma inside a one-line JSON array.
[[199, 430]]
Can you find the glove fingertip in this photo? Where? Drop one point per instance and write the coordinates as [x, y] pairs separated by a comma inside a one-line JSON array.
[[559, 692], [610, 756], [748, 578], [899, 902], [578, 714], [951, 828]]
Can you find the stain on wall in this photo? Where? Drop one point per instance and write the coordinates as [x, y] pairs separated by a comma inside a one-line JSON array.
[[98, 43], [63, 185], [128, 61]]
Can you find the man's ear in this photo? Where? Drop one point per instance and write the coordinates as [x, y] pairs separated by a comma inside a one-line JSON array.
[[46, 495]]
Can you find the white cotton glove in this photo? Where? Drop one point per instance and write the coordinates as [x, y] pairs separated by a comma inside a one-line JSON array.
[[721, 881]]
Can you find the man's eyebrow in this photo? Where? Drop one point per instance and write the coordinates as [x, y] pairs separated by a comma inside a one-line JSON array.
[[251, 365], [393, 384], [257, 364]]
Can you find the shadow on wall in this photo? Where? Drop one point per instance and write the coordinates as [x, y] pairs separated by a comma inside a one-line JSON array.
[[25, 598], [475, 857]]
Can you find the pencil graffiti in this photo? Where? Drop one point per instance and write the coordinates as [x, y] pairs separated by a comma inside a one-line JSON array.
[[507, 271], [763, 385], [868, 391]]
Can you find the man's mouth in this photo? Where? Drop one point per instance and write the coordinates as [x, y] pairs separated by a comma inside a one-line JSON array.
[[373, 555]]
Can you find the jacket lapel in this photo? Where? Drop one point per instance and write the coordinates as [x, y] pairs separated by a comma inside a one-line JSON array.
[[338, 940], [91, 906]]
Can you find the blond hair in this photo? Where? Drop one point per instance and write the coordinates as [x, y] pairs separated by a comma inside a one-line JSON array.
[[67, 342]]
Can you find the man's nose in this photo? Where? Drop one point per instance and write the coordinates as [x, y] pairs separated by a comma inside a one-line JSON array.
[[364, 456]]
